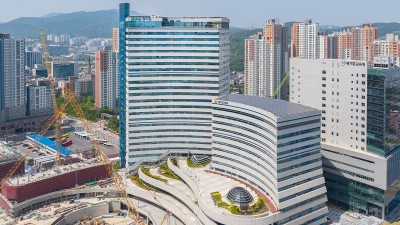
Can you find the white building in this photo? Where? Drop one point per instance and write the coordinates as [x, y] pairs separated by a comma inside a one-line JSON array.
[[39, 101], [305, 40], [106, 79], [175, 67], [359, 143], [12, 78], [273, 145], [265, 61]]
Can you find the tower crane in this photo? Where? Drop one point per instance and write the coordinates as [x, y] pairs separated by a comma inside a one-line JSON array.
[[46, 60]]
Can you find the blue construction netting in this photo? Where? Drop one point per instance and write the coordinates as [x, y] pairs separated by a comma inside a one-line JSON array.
[[51, 145]]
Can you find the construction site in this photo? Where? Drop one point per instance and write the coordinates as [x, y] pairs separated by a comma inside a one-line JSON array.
[[67, 173]]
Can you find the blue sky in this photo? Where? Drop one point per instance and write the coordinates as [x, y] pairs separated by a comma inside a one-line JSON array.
[[243, 13]]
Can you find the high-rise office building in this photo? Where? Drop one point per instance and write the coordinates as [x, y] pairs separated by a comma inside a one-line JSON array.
[[106, 85], [12, 78], [266, 60], [171, 69], [359, 129], [273, 145], [64, 70], [115, 39], [32, 58], [305, 40]]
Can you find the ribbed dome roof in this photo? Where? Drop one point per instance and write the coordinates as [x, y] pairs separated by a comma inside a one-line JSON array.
[[240, 196], [199, 159]]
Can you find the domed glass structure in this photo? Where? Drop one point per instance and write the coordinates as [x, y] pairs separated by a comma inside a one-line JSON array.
[[240, 196]]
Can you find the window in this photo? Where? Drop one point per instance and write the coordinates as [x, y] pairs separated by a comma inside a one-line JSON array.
[[323, 105], [323, 78], [323, 71], [323, 85]]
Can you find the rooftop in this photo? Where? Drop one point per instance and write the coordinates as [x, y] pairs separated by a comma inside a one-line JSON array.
[[51, 145], [7, 154], [45, 174], [279, 108]]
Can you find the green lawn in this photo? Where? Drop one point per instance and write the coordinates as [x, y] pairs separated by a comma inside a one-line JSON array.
[[167, 172], [257, 208], [146, 171], [135, 179], [191, 165]]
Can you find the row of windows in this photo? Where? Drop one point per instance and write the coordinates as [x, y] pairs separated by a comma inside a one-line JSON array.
[[354, 157], [297, 149], [247, 166], [171, 87], [173, 57], [169, 136], [315, 198], [173, 51], [298, 133], [167, 118], [159, 124], [349, 173], [171, 45], [245, 128], [169, 130], [171, 69], [299, 156], [299, 173], [346, 164], [169, 100], [172, 93], [166, 149], [170, 142], [301, 193], [173, 39], [298, 124], [249, 174], [171, 63], [170, 33], [135, 75], [172, 81], [248, 152], [299, 141], [239, 134], [303, 213], [299, 165], [169, 112], [247, 115], [299, 183], [171, 107]]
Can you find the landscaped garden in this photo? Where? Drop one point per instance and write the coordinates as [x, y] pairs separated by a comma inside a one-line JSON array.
[[146, 170], [167, 172], [258, 207]]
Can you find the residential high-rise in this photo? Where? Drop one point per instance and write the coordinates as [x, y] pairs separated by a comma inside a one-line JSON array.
[[370, 35], [305, 40], [344, 45], [84, 86], [12, 78], [390, 46], [106, 85], [39, 102], [32, 58], [359, 129], [266, 60], [362, 39], [115, 39], [171, 69]]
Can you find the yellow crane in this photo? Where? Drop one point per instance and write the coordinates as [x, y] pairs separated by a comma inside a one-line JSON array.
[[41, 133], [285, 78], [46, 61]]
